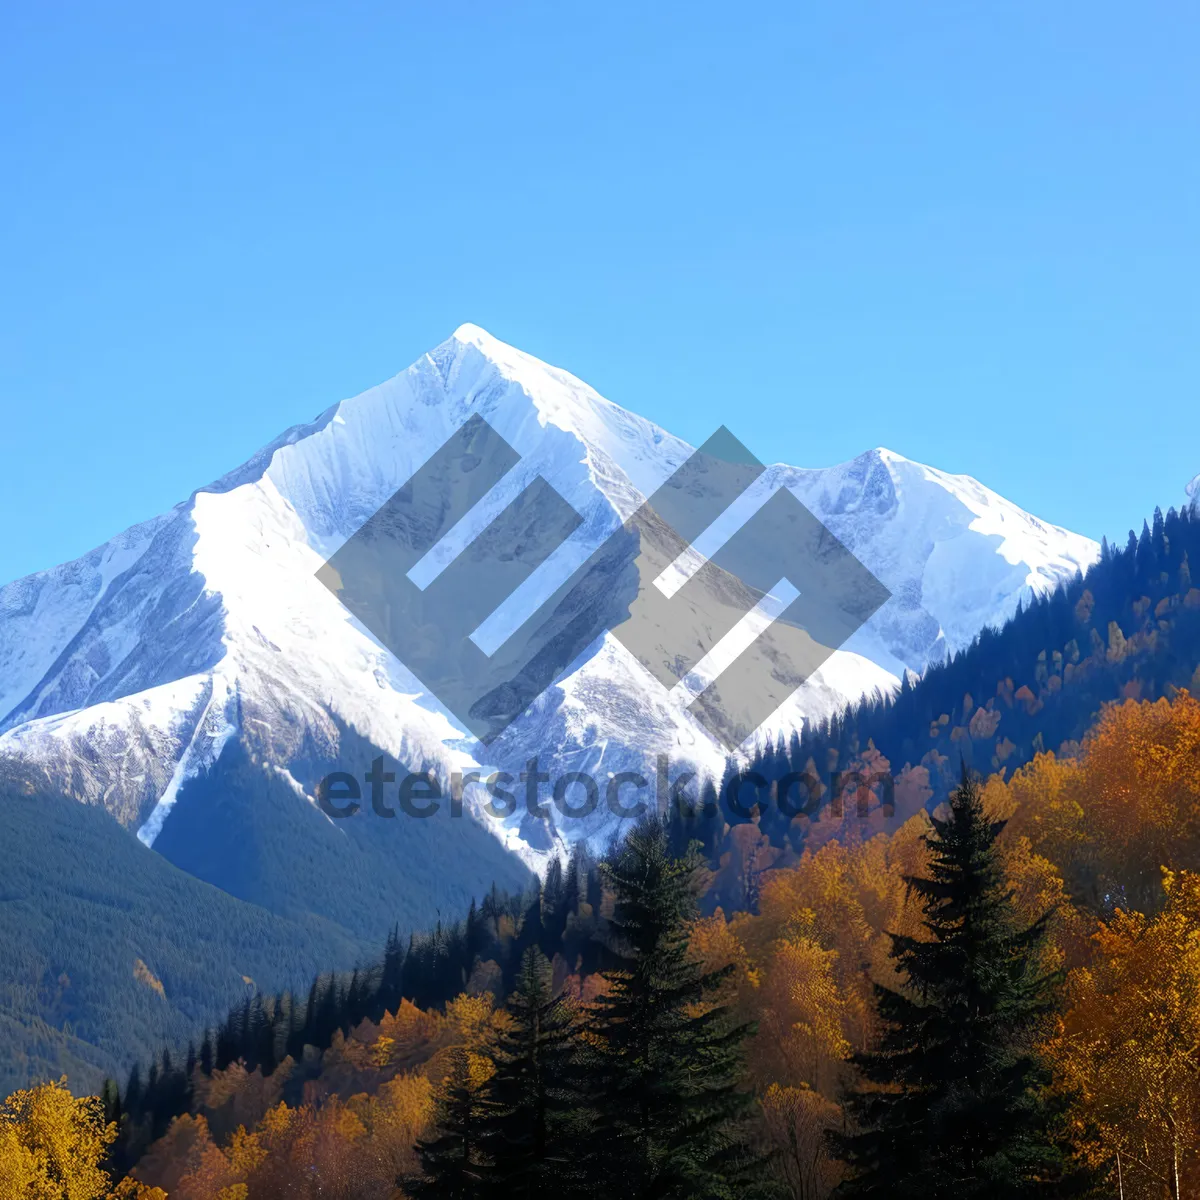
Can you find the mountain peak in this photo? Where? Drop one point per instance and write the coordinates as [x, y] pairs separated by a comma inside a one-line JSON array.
[[472, 334], [544, 384], [508, 358]]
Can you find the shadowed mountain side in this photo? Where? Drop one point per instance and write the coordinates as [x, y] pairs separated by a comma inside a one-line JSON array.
[[109, 952], [250, 829]]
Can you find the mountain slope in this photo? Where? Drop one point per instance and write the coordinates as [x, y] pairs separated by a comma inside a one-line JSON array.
[[109, 952]]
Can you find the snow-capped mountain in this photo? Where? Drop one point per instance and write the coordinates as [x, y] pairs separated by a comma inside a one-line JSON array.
[[129, 674]]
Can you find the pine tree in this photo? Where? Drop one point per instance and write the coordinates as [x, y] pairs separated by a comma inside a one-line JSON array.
[[531, 1130], [554, 908], [306, 1030], [110, 1098], [391, 979], [133, 1092], [663, 1069], [227, 1042], [262, 1033], [955, 1105], [328, 1014], [352, 1003], [452, 1161]]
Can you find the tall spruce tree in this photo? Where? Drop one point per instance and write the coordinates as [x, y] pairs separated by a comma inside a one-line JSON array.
[[956, 1105], [453, 1163], [533, 1124], [664, 1062], [391, 976]]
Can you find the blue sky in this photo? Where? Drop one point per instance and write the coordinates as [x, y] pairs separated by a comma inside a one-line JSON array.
[[970, 236]]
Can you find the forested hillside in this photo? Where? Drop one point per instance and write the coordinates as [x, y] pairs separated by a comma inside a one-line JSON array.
[[1129, 629], [110, 952]]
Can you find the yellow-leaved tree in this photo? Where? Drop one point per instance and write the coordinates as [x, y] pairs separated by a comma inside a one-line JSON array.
[[53, 1145]]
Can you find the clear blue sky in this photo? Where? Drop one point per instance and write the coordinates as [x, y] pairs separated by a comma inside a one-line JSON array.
[[970, 236]]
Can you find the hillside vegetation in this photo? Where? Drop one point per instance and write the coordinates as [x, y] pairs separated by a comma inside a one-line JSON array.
[[110, 952]]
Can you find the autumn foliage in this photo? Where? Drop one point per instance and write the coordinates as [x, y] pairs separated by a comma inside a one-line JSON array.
[[1103, 841]]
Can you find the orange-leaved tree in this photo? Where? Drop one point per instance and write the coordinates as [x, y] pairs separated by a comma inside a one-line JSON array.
[[1127, 806], [1129, 1046]]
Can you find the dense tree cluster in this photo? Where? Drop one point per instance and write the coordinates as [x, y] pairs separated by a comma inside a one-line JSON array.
[[1008, 965], [638, 1092], [559, 917]]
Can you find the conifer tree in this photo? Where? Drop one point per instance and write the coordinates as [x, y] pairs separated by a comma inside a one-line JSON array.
[[391, 976], [664, 1062], [531, 1129], [955, 1105], [227, 1041], [110, 1098], [554, 908], [452, 1161], [328, 1013], [352, 1003], [474, 935], [133, 1091]]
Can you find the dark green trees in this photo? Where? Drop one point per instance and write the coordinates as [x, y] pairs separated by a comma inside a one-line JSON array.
[[955, 1104], [662, 1059], [452, 1161], [510, 1118], [637, 1095], [536, 1121]]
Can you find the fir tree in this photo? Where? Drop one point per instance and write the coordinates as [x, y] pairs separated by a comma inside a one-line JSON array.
[[391, 978], [956, 1102], [531, 1129], [664, 1064], [110, 1098], [227, 1041], [554, 908], [452, 1162], [328, 1014], [352, 1003]]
